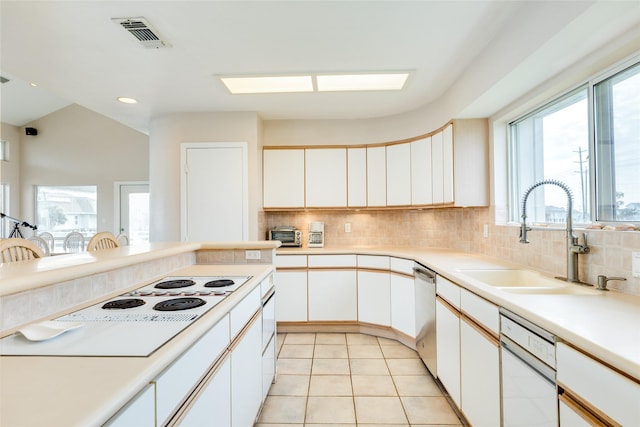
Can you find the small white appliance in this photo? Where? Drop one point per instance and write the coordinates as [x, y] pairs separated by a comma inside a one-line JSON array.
[[316, 234]]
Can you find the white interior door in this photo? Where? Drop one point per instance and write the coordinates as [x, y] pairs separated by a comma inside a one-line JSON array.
[[214, 192], [132, 211]]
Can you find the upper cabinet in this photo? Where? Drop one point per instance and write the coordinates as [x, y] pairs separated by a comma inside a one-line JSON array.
[[283, 178], [326, 177], [448, 167]]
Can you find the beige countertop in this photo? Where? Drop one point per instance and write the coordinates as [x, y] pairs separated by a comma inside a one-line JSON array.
[[606, 325], [86, 391]]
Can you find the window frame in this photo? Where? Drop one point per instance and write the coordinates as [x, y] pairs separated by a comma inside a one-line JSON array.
[[513, 184]]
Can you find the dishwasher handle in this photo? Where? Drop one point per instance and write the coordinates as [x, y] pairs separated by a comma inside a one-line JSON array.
[[424, 274]]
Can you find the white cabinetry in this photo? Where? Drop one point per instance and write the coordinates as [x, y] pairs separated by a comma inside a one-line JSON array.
[[403, 299], [479, 360], [374, 290], [591, 390], [376, 176], [213, 402], [421, 180], [332, 287], [398, 174], [447, 165], [283, 178], [246, 361], [291, 288], [139, 412], [357, 177], [448, 337], [437, 168], [326, 177]]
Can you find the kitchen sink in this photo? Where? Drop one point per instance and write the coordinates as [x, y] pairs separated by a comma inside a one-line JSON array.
[[512, 278], [517, 281]]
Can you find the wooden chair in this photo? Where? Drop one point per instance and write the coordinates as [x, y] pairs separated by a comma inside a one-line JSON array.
[[48, 237], [42, 244], [122, 239], [16, 249], [102, 240], [73, 242]]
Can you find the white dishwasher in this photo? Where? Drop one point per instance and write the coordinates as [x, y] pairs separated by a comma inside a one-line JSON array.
[[528, 355]]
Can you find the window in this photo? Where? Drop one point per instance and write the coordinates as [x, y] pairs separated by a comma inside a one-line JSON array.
[[4, 155], [589, 135], [62, 209]]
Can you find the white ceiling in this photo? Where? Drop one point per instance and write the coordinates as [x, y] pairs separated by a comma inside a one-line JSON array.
[[76, 54]]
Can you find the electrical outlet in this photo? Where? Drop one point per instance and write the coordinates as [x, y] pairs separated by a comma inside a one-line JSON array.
[[485, 231], [635, 264], [252, 254], [347, 227]]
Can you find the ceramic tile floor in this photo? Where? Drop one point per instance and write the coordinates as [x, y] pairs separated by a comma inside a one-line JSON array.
[[334, 379]]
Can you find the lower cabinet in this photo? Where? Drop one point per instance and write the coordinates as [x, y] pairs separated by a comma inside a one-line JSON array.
[[291, 287], [212, 407], [246, 375], [448, 348], [403, 304], [479, 375], [333, 295], [140, 411], [374, 293]]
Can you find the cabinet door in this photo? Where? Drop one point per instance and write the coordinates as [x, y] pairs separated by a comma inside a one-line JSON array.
[[357, 177], [291, 291], [139, 412], [437, 168], [374, 294], [448, 349], [283, 178], [376, 176], [399, 174], [479, 376], [326, 177], [333, 295], [447, 165], [213, 402], [421, 180], [403, 304], [246, 376]]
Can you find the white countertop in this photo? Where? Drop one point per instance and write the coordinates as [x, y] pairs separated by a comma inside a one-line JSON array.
[[606, 325]]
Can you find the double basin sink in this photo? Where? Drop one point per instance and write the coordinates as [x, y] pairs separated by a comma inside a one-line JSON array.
[[518, 281]]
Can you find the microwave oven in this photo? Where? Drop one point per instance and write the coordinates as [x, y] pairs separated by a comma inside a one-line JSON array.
[[289, 236]]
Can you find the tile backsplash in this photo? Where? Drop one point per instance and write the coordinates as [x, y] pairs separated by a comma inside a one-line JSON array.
[[463, 229]]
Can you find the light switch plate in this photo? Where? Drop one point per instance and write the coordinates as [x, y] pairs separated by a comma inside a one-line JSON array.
[[635, 264], [252, 254]]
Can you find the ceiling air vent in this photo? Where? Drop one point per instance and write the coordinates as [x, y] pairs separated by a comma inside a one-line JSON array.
[[143, 32]]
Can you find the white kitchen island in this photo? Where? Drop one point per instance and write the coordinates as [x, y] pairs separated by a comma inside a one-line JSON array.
[[66, 391]]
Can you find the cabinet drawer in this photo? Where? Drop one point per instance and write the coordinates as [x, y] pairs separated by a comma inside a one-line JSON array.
[[481, 310], [175, 383], [139, 412], [448, 291], [244, 311], [332, 261], [291, 261], [610, 392], [401, 265], [373, 261]]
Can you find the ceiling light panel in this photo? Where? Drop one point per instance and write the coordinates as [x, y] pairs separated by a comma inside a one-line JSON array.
[[358, 82], [268, 84]]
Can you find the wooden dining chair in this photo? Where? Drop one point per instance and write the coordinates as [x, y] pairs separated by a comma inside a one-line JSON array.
[[122, 239], [16, 249], [102, 240], [42, 244], [48, 237], [73, 242]]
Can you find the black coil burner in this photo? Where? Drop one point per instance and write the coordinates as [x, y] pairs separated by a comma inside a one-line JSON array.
[[173, 284], [177, 304], [123, 303], [219, 283]]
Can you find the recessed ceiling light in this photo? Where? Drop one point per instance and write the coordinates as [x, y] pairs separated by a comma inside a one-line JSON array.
[[32, 84], [268, 84], [357, 82], [127, 100]]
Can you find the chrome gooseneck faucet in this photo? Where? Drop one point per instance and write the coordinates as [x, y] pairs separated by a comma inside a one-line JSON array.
[[573, 247]]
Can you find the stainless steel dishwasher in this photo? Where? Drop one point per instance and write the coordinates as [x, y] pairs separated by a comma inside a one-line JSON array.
[[425, 291], [528, 356]]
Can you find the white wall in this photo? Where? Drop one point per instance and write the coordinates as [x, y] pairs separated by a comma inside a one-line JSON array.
[[167, 133], [76, 146], [10, 174]]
